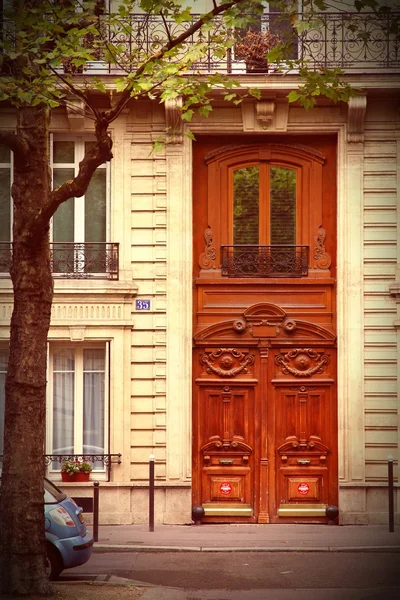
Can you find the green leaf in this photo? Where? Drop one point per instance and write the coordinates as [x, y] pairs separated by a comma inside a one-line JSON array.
[[187, 116], [293, 96], [189, 134]]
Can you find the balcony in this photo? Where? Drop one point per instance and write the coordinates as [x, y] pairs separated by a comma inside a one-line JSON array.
[[355, 42], [264, 261], [74, 260]]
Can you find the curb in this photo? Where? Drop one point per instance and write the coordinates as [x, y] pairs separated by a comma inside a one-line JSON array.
[[132, 548]]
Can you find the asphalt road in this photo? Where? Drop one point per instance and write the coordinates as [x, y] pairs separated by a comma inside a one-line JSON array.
[[247, 575]]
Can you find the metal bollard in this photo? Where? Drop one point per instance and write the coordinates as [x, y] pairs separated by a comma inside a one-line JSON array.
[[391, 493], [151, 492], [96, 486]]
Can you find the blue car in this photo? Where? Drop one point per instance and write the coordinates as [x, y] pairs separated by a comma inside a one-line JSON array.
[[68, 541]]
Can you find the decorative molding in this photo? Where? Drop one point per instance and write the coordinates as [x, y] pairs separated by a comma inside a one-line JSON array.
[[357, 107], [77, 334], [265, 115], [273, 322], [314, 443], [320, 255], [76, 114], [302, 362], [227, 362], [207, 258], [216, 443], [265, 112], [290, 149], [173, 118]]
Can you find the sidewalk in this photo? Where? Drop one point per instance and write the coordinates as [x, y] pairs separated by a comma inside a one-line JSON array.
[[244, 537]]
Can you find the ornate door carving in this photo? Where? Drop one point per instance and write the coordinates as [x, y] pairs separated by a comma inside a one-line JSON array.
[[225, 433], [304, 407], [265, 425]]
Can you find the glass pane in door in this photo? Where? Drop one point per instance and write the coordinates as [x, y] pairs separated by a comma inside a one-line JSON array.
[[95, 224], [246, 206], [63, 227], [282, 205]]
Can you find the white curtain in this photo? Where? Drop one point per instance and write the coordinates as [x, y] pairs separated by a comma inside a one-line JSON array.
[[63, 401], [93, 402]]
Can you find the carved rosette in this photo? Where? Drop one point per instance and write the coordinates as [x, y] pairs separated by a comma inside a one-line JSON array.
[[302, 362], [320, 255], [227, 362], [207, 258]]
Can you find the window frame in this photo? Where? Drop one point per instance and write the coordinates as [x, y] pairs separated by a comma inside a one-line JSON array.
[[79, 347], [79, 204]]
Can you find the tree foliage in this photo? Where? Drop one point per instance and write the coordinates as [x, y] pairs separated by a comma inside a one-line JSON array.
[[45, 49]]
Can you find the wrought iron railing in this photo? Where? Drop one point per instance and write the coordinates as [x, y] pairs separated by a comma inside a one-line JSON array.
[[74, 260], [264, 261], [98, 461], [363, 41]]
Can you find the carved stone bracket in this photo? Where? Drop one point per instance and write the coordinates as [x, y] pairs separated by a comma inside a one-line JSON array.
[[226, 362], [174, 123], [355, 118], [320, 255], [302, 362], [265, 112], [207, 258], [76, 114]]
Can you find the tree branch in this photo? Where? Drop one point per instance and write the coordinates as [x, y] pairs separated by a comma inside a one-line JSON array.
[[98, 154], [10, 139], [112, 114]]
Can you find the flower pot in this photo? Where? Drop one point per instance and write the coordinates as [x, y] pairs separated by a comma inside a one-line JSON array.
[[81, 476], [257, 66], [68, 477]]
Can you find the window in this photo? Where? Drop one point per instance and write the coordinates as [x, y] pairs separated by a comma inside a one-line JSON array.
[[80, 227], [264, 205], [264, 210], [83, 219], [78, 400]]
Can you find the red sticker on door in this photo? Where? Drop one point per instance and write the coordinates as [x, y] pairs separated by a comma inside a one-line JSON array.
[[225, 488], [303, 488]]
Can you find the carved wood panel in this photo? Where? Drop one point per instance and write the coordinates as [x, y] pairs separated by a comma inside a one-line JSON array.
[[305, 431], [225, 435]]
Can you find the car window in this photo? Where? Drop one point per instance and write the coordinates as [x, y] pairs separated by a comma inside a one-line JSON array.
[[52, 494]]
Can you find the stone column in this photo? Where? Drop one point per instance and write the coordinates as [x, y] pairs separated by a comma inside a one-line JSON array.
[[179, 310]]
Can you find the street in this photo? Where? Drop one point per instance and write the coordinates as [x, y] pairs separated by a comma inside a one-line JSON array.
[[247, 575]]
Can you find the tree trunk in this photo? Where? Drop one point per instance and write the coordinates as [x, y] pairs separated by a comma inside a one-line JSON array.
[[21, 503]]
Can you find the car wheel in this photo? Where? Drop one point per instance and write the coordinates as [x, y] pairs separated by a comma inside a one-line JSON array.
[[53, 563]]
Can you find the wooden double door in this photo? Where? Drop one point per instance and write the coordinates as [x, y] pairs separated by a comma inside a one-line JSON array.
[[265, 423]]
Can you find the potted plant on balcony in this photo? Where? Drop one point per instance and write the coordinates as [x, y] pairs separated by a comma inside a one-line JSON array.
[[85, 468], [69, 469], [253, 48], [76, 470]]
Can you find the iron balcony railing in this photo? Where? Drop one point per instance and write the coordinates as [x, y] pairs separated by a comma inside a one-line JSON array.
[[348, 40], [264, 261], [74, 260], [98, 461]]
